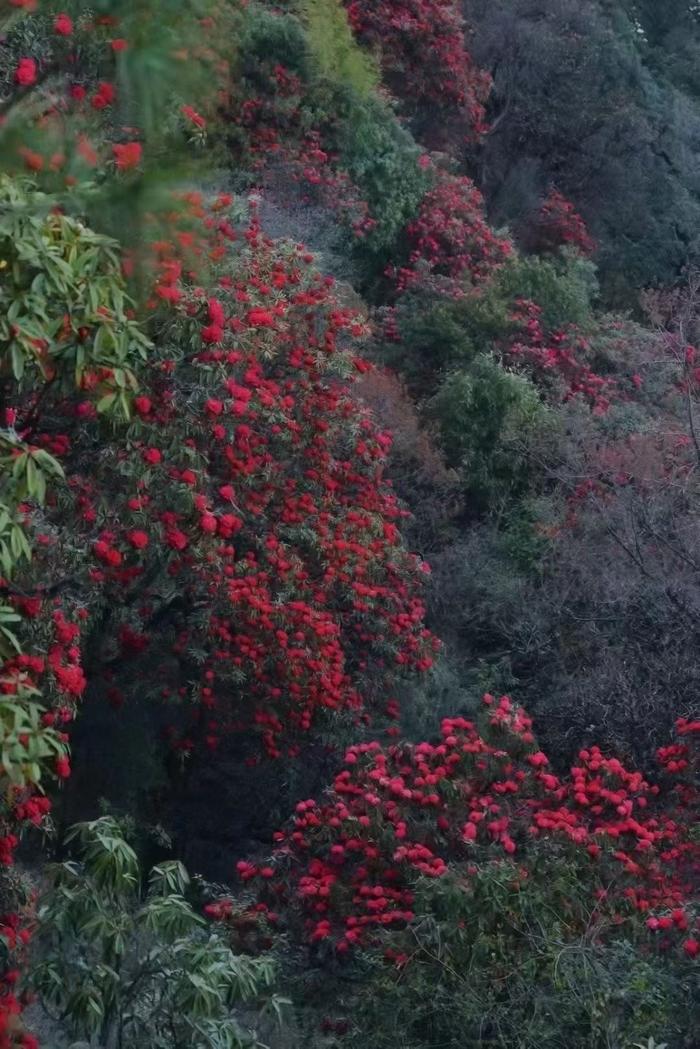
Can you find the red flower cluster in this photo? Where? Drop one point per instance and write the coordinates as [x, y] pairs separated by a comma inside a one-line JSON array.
[[63, 25], [560, 355], [450, 237], [127, 155], [25, 73], [348, 865], [424, 54], [560, 224], [15, 935]]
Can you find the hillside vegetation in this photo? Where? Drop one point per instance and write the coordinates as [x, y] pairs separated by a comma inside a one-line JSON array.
[[349, 487]]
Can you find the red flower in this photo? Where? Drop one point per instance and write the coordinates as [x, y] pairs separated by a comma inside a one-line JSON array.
[[7, 844], [104, 96], [177, 540], [119, 44], [107, 554], [127, 155], [62, 768], [25, 73], [216, 312], [260, 318], [32, 161], [138, 539], [142, 405], [212, 333], [63, 25], [194, 116], [152, 456], [692, 948], [70, 679]]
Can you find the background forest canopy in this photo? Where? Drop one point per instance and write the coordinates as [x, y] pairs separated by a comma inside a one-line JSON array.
[[349, 481]]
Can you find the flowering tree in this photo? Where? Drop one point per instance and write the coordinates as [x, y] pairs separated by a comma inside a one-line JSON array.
[[450, 236], [243, 544], [64, 319], [67, 334], [219, 518], [424, 55], [465, 842], [560, 225]]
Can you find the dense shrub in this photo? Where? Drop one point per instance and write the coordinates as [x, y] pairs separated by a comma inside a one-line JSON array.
[[450, 237], [241, 542], [424, 55], [538, 907], [564, 288], [333, 46], [487, 416]]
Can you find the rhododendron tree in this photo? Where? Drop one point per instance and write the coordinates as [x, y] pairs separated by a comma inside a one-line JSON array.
[[69, 338], [233, 549], [450, 236], [472, 835], [561, 225], [409, 811], [242, 543], [424, 55]]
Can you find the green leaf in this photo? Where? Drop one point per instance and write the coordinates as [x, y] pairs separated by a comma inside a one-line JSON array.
[[106, 402], [18, 361]]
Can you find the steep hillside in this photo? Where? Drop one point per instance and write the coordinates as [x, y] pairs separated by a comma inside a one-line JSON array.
[[349, 462]]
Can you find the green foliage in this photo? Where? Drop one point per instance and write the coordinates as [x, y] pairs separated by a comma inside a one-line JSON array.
[[25, 743], [64, 324], [125, 958], [381, 157], [486, 417], [269, 39], [335, 52], [564, 287], [607, 110], [436, 332], [515, 960], [341, 103], [523, 545], [63, 304], [440, 331]]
